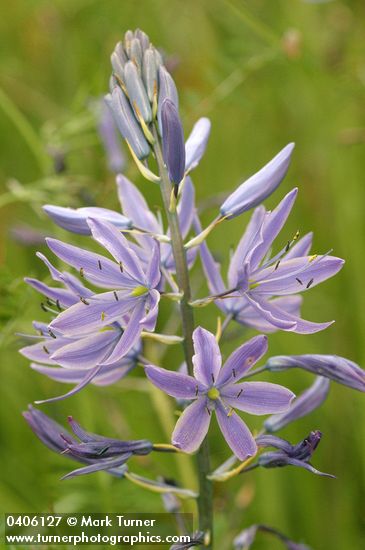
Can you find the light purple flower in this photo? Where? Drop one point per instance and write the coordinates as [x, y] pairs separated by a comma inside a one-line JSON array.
[[263, 290], [217, 389], [131, 288], [305, 403], [336, 368], [259, 186], [247, 537]]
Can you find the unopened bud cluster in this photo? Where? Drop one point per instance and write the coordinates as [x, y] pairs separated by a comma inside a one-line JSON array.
[[139, 85]]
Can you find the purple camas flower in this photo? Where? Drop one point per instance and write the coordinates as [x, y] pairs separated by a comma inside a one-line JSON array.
[[338, 369], [218, 389], [98, 452], [263, 290], [259, 186], [132, 293]]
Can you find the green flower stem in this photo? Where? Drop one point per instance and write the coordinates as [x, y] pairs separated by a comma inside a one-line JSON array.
[[205, 504]]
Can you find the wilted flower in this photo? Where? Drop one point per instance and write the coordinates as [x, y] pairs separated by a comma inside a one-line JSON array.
[[173, 147], [289, 455], [259, 186], [217, 389], [335, 368], [196, 539], [302, 405], [262, 291], [98, 452]]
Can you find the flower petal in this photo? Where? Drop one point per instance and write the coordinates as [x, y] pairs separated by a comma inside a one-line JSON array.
[[235, 432], [257, 397], [131, 334], [196, 143], [242, 359], [74, 219], [90, 374], [86, 353], [109, 276], [192, 426], [259, 186], [112, 239], [252, 318], [63, 296], [176, 384], [185, 208], [207, 359]]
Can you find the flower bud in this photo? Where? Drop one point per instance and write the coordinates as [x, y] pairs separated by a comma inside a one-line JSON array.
[[150, 72], [127, 123], [172, 141], [75, 219], [196, 143], [167, 90], [136, 92], [259, 186], [338, 369]]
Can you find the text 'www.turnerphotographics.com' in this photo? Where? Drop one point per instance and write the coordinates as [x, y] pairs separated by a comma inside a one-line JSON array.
[[86, 529]]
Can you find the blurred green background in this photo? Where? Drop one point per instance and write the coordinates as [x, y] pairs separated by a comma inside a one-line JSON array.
[[266, 73]]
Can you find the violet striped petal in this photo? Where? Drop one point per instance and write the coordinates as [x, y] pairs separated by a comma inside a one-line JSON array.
[[135, 207], [117, 464], [248, 240], [63, 296], [235, 432], [242, 359], [305, 403], [43, 351], [65, 278], [86, 353], [252, 318], [192, 426], [90, 374], [176, 384], [186, 208], [297, 275], [196, 143], [74, 219], [272, 225], [259, 186], [100, 310], [257, 397], [207, 360], [88, 264], [149, 321], [131, 334], [112, 239], [153, 273], [283, 319], [59, 374]]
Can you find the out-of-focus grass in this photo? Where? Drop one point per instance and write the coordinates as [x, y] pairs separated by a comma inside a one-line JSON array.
[[266, 73]]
